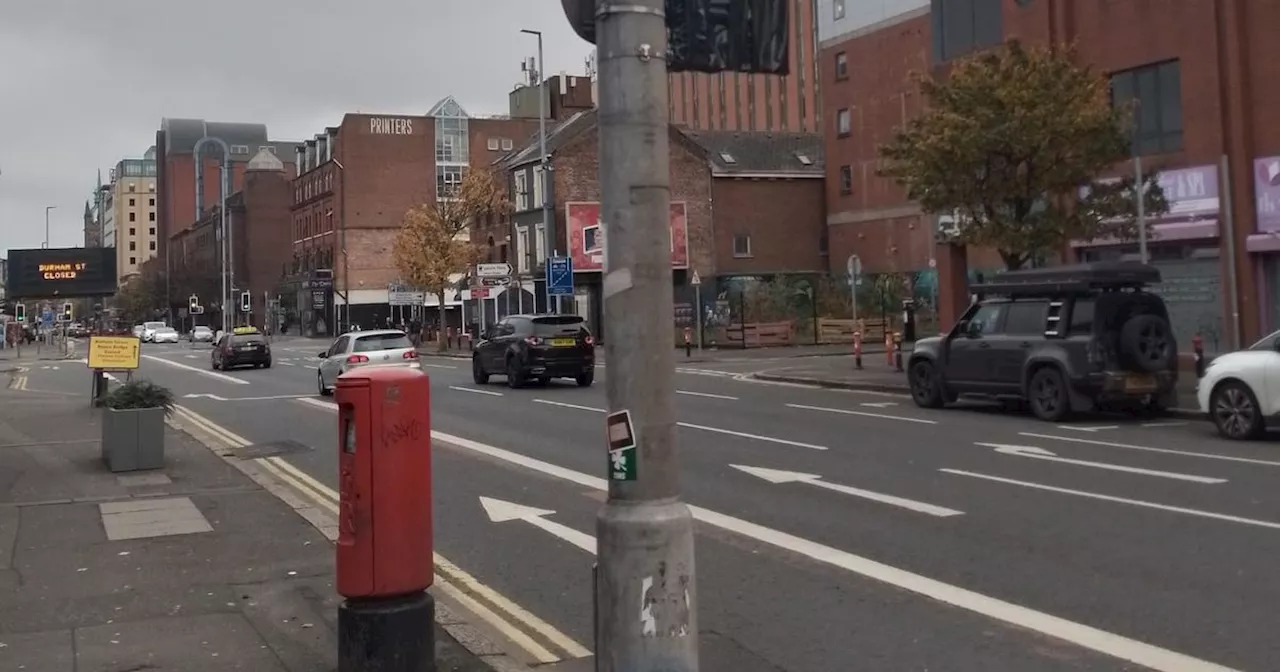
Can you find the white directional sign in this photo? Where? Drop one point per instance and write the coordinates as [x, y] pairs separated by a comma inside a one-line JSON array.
[[493, 270], [501, 511], [1042, 454], [403, 298], [780, 476]]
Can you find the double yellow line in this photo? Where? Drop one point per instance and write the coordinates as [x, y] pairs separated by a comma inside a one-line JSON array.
[[539, 639]]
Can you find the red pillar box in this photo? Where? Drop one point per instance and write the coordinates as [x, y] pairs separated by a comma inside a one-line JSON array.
[[384, 552]]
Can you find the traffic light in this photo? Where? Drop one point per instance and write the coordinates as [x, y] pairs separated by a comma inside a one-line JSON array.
[[66, 312], [20, 312], [246, 302], [193, 303], [748, 36]]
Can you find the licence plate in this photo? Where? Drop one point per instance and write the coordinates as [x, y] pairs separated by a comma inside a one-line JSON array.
[[563, 342], [1139, 383]]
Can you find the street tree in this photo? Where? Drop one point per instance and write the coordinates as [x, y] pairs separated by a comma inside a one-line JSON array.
[[141, 298], [1014, 145], [434, 241]]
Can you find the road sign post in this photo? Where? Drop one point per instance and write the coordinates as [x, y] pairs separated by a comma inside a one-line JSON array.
[[559, 281], [696, 282]]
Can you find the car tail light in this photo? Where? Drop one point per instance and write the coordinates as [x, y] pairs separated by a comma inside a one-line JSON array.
[[412, 354], [589, 340], [533, 340], [357, 359]]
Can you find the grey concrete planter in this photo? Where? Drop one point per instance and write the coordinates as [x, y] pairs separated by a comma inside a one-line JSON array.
[[133, 439]]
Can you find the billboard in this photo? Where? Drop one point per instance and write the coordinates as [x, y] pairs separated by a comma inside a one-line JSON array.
[[64, 272], [586, 235]]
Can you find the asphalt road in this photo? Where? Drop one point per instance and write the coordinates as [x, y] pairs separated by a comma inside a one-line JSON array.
[[838, 530]]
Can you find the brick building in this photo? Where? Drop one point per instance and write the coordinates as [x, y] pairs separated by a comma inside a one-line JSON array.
[[743, 205], [1198, 71], [730, 101], [259, 218], [353, 185]]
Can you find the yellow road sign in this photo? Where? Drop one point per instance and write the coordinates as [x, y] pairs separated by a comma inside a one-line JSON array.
[[114, 353]]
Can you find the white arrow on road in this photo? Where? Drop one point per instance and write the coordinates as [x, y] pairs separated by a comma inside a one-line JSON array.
[[501, 511], [779, 476], [1094, 428], [1042, 454]]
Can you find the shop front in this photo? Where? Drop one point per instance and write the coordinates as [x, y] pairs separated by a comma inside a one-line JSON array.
[[310, 313], [1184, 244], [1264, 243]]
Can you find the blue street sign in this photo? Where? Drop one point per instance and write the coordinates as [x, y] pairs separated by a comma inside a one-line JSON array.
[[560, 276], [47, 316]]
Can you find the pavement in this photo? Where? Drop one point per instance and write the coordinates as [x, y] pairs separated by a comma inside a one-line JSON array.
[[203, 565], [837, 529]]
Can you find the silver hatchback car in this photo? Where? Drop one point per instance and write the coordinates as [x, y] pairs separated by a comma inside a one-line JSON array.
[[359, 349]]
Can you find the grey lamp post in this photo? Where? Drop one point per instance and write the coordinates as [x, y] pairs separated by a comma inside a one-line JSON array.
[[228, 254]]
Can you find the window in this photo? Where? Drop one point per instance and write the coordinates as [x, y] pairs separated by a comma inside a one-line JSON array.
[[492, 144], [269, 148], [728, 158], [522, 190], [239, 149], [844, 122], [987, 319], [133, 261], [151, 216], [153, 246], [151, 187], [152, 203], [592, 239], [132, 246], [538, 184], [1026, 318], [846, 180], [539, 244], [133, 188], [133, 216], [962, 26], [522, 250], [1155, 91], [842, 65], [133, 231], [133, 202], [838, 10], [152, 231], [448, 181], [1081, 318], [507, 145], [741, 245]]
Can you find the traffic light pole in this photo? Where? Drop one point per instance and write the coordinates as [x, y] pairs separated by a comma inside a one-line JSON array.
[[646, 608]]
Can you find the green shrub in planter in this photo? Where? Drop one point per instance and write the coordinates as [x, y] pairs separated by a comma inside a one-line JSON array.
[[133, 425]]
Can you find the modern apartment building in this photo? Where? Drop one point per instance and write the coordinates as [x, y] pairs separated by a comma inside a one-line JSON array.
[[730, 101], [128, 213]]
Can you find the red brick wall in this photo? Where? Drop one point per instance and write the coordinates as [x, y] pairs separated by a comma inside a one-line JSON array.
[[267, 236], [786, 220]]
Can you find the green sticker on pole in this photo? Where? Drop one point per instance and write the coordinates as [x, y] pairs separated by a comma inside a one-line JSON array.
[[622, 446]]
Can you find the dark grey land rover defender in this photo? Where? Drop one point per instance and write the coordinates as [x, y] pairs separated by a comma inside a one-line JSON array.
[[1063, 340]]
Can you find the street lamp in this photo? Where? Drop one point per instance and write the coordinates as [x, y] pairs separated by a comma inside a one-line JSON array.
[[548, 235], [227, 251], [342, 244], [47, 208]]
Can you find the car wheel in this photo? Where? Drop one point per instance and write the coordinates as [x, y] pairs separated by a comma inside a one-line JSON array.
[[1235, 411], [926, 388], [1147, 341], [324, 391], [515, 377], [586, 378], [1048, 396], [266, 365], [544, 380], [213, 364], [478, 374]]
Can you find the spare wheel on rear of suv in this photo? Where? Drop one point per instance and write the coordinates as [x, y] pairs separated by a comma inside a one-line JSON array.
[[1146, 342]]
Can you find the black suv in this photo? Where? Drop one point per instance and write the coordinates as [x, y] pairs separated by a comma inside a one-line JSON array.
[[1065, 339], [539, 347]]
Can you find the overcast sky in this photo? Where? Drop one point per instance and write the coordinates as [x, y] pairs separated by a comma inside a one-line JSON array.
[[84, 83]]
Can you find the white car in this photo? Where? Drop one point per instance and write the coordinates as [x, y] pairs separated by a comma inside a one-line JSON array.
[[201, 334], [164, 335], [149, 330], [1240, 391], [138, 330]]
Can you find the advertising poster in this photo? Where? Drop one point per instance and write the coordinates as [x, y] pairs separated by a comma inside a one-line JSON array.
[[586, 235]]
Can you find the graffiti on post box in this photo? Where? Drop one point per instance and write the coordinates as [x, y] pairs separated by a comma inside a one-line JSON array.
[[405, 430]]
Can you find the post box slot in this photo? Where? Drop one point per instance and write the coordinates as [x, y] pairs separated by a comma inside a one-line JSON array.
[[348, 431]]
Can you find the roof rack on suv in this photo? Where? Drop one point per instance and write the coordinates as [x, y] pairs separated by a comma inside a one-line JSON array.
[[1074, 279]]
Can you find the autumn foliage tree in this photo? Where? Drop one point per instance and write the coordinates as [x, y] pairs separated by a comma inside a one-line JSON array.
[[434, 242], [1013, 143]]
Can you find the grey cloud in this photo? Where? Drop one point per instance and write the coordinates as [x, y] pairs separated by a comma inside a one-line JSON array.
[[84, 83]]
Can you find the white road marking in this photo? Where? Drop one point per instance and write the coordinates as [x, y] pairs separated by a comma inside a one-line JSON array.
[[475, 391], [1042, 454], [779, 476], [501, 511], [879, 404], [864, 414], [689, 425], [1082, 428], [1165, 424], [1118, 500], [437, 366], [211, 374], [1167, 451], [220, 398], [706, 394], [284, 363]]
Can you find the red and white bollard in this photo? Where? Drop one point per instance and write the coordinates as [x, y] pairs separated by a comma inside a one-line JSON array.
[[857, 350], [688, 342]]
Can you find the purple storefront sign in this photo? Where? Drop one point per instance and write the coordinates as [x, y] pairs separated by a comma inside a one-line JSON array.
[[1266, 184], [1192, 195]]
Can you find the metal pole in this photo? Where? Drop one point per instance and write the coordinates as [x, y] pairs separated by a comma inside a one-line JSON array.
[[1228, 236], [1140, 193], [646, 592], [697, 308], [47, 208], [226, 227], [548, 222], [222, 307]]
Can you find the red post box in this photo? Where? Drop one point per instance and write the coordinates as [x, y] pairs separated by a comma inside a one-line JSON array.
[[384, 552], [384, 470]]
